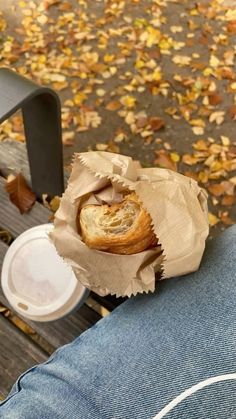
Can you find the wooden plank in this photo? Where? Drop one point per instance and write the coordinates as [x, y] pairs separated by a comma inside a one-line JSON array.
[[110, 302], [3, 249], [13, 221], [62, 331], [18, 353], [14, 159]]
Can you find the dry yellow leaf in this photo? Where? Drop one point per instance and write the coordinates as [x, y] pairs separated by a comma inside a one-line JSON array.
[[181, 60], [200, 145], [190, 160], [198, 130], [233, 180], [217, 117], [101, 146], [128, 101], [79, 98], [213, 220], [214, 61], [197, 123], [54, 203], [100, 92], [176, 29], [42, 19], [225, 140], [175, 157], [203, 176]]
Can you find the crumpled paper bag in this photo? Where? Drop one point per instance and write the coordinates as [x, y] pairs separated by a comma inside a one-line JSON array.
[[176, 204]]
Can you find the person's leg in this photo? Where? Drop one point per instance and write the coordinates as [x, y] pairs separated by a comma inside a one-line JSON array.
[[131, 364]]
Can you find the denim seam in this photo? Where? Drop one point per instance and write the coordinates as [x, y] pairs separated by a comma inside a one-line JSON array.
[[18, 382]]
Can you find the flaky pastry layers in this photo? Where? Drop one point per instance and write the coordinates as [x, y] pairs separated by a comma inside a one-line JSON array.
[[123, 228]]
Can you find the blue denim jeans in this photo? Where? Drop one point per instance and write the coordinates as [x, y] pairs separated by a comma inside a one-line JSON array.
[[170, 354]]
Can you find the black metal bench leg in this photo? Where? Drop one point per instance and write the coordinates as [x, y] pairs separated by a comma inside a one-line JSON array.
[[42, 122]]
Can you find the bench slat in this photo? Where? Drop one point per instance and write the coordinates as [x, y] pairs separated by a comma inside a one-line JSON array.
[[18, 353], [13, 158], [13, 221]]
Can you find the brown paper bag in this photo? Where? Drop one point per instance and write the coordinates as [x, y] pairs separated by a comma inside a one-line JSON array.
[[178, 208]]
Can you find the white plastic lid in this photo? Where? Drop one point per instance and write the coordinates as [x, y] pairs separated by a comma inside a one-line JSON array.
[[35, 280]]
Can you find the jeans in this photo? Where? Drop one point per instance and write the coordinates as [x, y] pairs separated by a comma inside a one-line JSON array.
[[170, 354]]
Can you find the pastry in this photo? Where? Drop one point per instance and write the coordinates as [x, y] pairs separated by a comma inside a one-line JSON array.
[[123, 228]]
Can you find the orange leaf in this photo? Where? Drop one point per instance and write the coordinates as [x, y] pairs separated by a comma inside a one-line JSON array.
[[228, 186], [64, 7], [193, 175], [231, 27], [228, 200], [20, 194], [224, 217], [163, 159], [190, 160], [213, 220], [232, 111], [215, 99], [156, 123], [225, 73], [114, 105], [201, 145], [216, 189]]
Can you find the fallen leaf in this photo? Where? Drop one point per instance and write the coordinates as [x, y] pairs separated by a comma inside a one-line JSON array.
[[20, 194], [54, 203], [232, 87], [5, 236], [163, 159], [225, 218], [203, 176], [225, 140], [233, 180], [193, 175], [214, 61], [198, 130], [64, 7], [167, 145], [114, 105], [181, 60], [190, 160], [228, 200], [100, 92], [215, 148], [200, 145], [232, 112], [215, 99], [156, 123], [228, 186], [225, 73], [213, 220], [175, 157], [128, 101], [112, 147], [68, 138], [101, 146], [216, 189], [231, 27], [217, 117]]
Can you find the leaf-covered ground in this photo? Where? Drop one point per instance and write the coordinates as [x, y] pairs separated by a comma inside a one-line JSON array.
[[154, 79]]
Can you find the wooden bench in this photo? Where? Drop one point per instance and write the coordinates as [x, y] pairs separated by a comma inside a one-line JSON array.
[[25, 343]]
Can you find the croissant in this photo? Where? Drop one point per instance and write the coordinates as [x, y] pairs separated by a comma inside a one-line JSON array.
[[123, 228]]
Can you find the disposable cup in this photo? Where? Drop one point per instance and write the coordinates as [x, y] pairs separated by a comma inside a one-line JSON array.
[[36, 281]]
